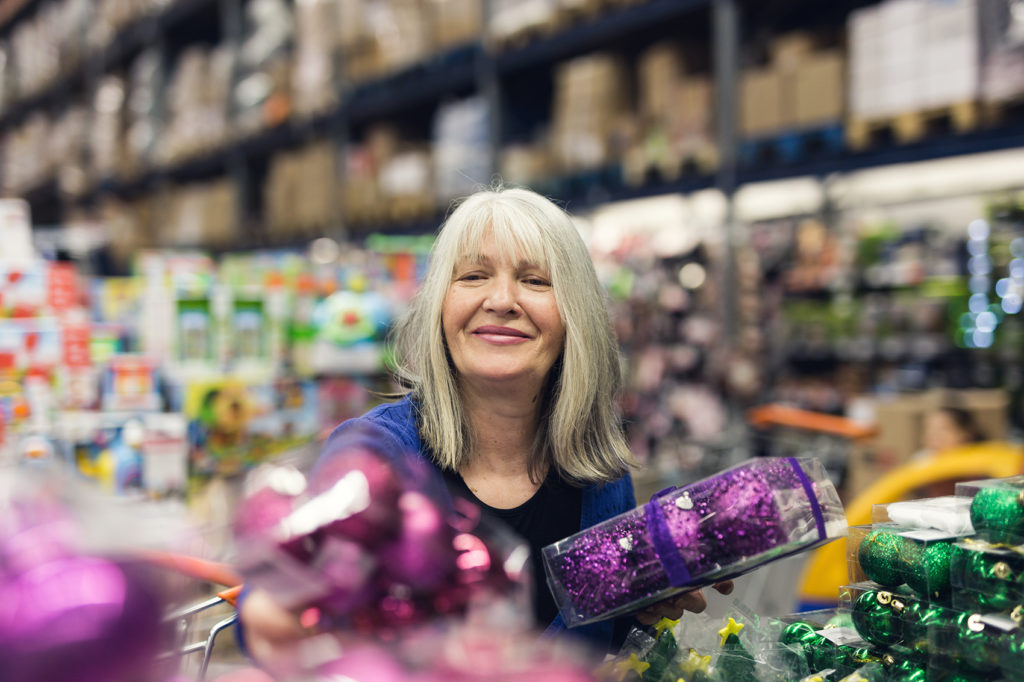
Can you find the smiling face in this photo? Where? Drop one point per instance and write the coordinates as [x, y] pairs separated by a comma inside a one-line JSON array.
[[501, 321]]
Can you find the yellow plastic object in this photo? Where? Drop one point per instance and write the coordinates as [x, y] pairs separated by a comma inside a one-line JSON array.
[[826, 569]]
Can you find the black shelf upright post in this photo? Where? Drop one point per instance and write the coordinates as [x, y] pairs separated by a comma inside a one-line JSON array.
[[725, 24], [489, 85], [236, 163]]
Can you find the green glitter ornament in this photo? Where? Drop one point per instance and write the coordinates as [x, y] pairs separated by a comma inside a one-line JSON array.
[[997, 514], [877, 617], [880, 556], [926, 569]]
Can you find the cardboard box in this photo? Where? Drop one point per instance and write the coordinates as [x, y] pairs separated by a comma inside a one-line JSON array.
[[788, 51], [761, 108], [819, 89]]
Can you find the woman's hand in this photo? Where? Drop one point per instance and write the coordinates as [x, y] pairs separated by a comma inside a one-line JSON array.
[[272, 633], [673, 607]]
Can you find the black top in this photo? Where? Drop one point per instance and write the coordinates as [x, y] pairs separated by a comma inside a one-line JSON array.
[[551, 514]]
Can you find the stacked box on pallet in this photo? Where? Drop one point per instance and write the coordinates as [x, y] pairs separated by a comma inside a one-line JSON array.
[[591, 101], [299, 192], [515, 20], [455, 22], [801, 87], [675, 116], [909, 55], [461, 148]]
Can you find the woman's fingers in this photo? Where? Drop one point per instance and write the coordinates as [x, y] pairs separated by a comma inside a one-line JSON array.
[[673, 607], [272, 633], [724, 587]]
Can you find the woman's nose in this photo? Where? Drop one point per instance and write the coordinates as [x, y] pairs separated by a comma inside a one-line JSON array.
[[501, 295]]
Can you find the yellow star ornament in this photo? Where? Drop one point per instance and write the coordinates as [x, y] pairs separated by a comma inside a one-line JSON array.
[[633, 664], [695, 662], [664, 624], [731, 628]]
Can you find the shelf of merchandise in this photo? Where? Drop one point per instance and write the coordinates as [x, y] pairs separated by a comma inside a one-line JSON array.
[[480, 67]]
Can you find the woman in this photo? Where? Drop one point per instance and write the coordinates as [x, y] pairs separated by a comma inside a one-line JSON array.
[[512, 370]]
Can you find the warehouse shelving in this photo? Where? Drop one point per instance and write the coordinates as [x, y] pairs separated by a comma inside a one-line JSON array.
[[480, 67]]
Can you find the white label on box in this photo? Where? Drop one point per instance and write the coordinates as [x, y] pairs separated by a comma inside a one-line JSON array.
[[164, 464], [999, 622], [842, 637], [927, 535]]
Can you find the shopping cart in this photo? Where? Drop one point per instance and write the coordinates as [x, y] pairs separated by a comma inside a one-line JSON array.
[[785, 431], [182, 619]]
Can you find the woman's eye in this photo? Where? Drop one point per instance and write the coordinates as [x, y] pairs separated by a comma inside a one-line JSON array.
[[537, 282]]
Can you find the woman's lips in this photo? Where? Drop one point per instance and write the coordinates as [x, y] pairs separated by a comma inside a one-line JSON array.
[[500, 335]]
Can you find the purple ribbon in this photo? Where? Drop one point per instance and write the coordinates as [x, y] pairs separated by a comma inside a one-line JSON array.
[[664, 546], [819, 519]]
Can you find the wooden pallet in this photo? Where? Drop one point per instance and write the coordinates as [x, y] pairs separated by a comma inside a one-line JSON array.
[[792, 146], [913, 126]]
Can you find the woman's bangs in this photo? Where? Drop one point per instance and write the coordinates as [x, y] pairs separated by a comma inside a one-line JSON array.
[[514, 235]]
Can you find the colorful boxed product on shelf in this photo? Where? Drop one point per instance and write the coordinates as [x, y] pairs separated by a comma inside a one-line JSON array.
[[128, 452], [717, 528], [987, 577], [234, 424], [892, 555]]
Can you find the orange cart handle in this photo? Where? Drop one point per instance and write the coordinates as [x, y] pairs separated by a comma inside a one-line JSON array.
[[230, 595], [210, 571], [782, 415]]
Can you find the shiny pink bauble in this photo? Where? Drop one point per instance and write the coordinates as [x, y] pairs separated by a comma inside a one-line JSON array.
[[246, 675], [80, 619], [422, 556], [349, 569], [363, 664], [36, 544], [259, 518], [369, 515]]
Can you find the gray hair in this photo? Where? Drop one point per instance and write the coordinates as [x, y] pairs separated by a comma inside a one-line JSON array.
[[579, 433]]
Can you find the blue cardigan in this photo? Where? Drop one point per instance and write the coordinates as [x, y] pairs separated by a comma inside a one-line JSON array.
[[393, 426]]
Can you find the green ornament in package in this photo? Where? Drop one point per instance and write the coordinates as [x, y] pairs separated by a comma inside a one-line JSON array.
[[880, 556], [877, 616], [997, 513]]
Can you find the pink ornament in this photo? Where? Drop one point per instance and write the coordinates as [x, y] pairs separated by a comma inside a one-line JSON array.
[[359, 493], [349, 569], [246, 675], [363, 664], [79, 619], [422, 556]]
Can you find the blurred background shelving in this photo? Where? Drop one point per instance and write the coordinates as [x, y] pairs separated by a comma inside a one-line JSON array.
[[778, 194]]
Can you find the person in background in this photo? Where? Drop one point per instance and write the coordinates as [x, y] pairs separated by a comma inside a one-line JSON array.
[[949, 427], [511, 371], [945, 428]]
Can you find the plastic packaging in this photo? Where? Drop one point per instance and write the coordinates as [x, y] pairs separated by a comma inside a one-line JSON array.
[[715, 529]]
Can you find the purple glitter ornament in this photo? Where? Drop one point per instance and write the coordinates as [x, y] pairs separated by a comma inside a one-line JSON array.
[[694, 536]]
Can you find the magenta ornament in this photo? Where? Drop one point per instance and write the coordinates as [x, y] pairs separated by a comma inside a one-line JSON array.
[[79, 619], [422, 556], [360, 490]]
